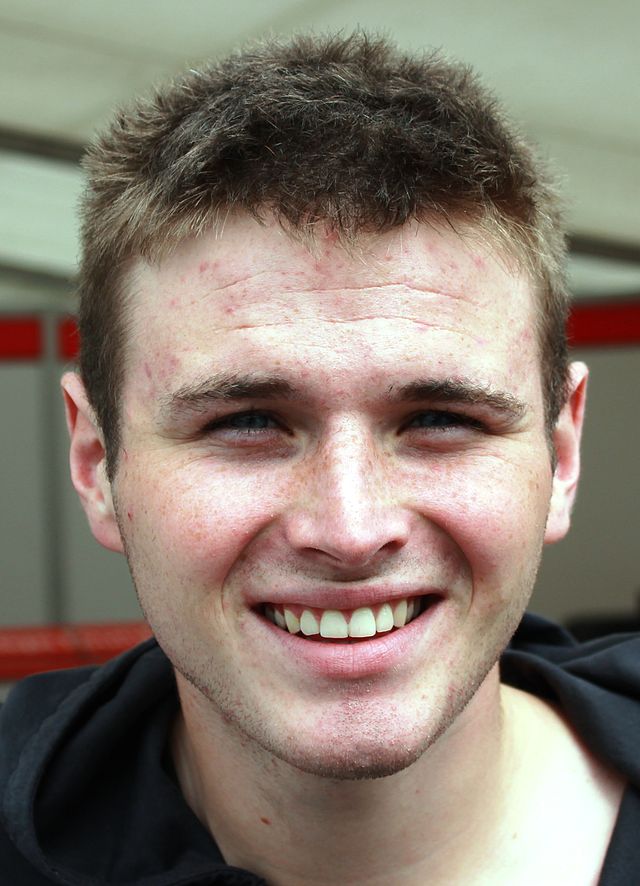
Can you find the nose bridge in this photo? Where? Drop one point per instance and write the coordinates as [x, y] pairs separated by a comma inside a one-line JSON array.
[[347, 510], [349, 467]]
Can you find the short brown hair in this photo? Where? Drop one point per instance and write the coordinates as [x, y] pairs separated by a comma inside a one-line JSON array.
[[343, 131]]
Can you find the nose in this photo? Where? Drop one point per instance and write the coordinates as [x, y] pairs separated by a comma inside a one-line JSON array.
[[347, 509]]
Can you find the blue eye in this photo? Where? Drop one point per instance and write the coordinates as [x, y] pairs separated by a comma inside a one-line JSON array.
[[242, 423], [248, 421], [438, 419]]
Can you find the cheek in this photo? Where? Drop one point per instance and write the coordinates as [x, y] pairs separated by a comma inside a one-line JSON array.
[[495, 514], [194, 522]]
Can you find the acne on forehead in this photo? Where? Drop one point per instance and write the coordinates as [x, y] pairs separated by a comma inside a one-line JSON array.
[[258, 269], [246, 249], [153, 377]]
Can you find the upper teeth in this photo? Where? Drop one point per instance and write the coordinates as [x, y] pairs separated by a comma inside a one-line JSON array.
[[335, 624]]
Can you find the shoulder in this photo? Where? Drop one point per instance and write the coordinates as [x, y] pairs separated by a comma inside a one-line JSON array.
[[29, 706], [47, 703], [14, 866], [51, 721], [594, 686]]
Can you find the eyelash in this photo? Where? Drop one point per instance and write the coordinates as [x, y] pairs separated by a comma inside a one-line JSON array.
[[442, 421], [228, 422]]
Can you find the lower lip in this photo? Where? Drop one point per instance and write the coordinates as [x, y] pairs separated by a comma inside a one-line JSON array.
[[354, 661]]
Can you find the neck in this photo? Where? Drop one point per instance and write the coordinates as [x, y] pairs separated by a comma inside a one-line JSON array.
[[292, 827]]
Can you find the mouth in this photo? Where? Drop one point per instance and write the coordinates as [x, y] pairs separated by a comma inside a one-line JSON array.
[[347, 625]]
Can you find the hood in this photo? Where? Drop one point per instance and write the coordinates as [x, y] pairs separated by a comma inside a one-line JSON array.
[[89, 796], [595, 684], [87, 787]]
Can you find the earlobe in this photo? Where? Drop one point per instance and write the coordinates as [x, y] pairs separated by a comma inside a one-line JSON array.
[[88, 465], [566, 441]]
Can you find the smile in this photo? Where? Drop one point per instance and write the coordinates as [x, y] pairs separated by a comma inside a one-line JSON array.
[[338, 624]]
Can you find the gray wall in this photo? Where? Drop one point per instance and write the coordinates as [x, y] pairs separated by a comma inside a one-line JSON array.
[[51, 569], [596, 569]]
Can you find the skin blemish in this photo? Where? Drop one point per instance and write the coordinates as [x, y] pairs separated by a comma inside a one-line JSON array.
[[265, 820], [130, 515], [479, 262], [204, 266]]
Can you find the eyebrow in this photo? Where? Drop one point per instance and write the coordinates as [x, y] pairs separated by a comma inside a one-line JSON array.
[[460, 390], [196, 397]]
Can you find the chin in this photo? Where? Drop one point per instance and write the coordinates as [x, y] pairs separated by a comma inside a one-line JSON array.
[[361, 746], [354, 765]]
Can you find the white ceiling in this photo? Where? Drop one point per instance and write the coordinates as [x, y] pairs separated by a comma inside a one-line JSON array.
[[569, 70]]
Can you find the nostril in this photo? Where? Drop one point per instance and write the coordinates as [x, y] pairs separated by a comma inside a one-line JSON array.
[[347, 537]]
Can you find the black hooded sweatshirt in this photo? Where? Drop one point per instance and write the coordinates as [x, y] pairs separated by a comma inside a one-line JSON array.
[[88, 795]]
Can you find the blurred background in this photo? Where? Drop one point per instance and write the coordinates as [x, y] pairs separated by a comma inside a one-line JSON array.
[[569, 71]]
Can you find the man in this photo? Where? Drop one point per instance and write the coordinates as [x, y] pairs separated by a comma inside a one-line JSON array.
[[324, 408]]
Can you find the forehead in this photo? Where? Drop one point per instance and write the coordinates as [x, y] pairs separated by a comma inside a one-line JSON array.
[[422, 257], [252, 293]]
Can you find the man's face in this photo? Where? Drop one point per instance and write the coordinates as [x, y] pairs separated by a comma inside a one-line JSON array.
[[336, 433]]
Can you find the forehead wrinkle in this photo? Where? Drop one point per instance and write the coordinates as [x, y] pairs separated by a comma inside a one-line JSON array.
[[343, 321], [210, 290], [404, 288]]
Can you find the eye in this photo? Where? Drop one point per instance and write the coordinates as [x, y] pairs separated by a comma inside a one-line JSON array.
[[244, 423], [440, 420]]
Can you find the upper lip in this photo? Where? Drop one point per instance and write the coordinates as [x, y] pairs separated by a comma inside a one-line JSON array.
[[345, 597]]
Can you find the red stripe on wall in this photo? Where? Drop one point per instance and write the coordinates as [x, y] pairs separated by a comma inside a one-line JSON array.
[[26, 651], [601, 323], [605, 323], [68, 339], [20, 338], [590, 324]]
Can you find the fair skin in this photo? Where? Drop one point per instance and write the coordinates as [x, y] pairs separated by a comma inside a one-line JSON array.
[[340, 431]]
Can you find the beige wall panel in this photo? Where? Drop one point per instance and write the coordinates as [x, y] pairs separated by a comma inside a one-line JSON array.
[[596, 569], [23, 521]]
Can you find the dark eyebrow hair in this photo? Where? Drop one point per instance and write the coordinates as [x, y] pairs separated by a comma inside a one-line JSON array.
[[459, 390], [196, 396]]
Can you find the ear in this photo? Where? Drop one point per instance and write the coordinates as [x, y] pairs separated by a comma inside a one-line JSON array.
[[88, 464], [566, 442]]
